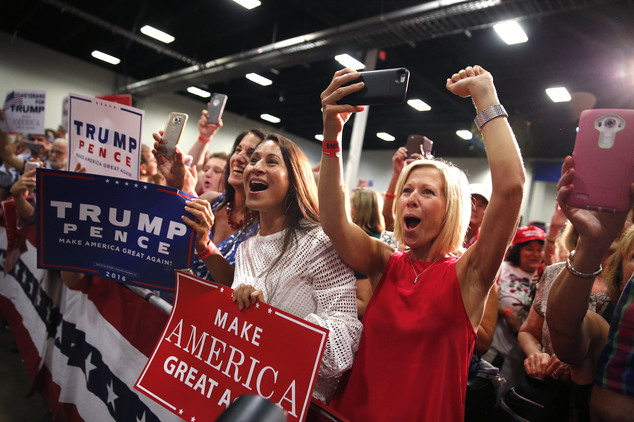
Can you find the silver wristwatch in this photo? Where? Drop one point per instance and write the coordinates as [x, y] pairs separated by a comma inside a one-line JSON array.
[[489, 114]]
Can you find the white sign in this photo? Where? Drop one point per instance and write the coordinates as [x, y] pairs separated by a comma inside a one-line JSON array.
[[24, 112], [104, 137]]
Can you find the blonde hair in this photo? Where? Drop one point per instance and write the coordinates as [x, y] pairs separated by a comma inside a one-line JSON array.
[[614, 272], [367, 206], [457, 205]]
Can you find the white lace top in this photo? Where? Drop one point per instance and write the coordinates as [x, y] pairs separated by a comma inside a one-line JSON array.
[[311, 282]]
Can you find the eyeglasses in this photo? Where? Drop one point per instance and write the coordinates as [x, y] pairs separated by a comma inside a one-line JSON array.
[[58, 151]]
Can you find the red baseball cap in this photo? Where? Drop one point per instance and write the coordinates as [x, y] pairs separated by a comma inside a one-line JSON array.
[[527, 233]]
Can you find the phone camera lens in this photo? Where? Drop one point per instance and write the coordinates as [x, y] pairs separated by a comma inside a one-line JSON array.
[[610, 123], [216, 102]]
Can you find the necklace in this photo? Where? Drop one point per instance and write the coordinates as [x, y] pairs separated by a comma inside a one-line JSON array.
[[422, 272], [232, 224]]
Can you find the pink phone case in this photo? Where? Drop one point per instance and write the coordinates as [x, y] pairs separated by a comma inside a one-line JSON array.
[[604, 160]]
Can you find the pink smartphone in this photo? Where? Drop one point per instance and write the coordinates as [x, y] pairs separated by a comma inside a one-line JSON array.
[[32, 165], [604, 160]]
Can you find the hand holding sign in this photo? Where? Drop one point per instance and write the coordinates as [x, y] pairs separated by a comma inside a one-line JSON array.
[[210, 353]]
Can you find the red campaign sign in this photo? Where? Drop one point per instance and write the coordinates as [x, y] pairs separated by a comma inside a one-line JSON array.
[[210, 353]]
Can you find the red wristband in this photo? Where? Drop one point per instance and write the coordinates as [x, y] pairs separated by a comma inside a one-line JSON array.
[[204, 140], [208, 251], [331, 148], [507, 312], [390, 196]]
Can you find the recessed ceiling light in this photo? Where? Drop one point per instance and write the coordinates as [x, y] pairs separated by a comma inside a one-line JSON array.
[[349, 61], [319, 137], [157, 34], [464, 134], [270, 118], [248, 4], [558, 94], [511, 32], [254, 77], [385, 136], [105, 57], [419, 105], [199, 92]]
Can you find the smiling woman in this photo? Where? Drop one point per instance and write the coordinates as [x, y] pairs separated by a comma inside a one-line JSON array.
[[290, 263]]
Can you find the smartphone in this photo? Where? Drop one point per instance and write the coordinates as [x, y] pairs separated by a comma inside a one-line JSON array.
[[33, 146], [32, 165], [419, 144], [604, 160], [216, 107], [173, 130], [382, 87]]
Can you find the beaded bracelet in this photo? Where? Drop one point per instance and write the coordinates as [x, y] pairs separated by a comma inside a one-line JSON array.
[[578, 273]]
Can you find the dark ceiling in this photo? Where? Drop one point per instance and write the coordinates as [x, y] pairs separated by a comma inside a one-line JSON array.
[[587, 46]]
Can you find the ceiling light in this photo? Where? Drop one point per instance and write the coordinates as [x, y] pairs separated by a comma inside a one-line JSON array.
[[199, 92], [248, 4], [319, 137], [254, 77], [270, 118], [385, 136], [349, 61], [465, 134], [105, 57], [558, 94], [157, 34], [511, 32], [419, 105]]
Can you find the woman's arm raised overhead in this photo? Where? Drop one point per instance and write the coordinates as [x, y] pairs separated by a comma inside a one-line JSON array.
[[363, 253], [478, 267]]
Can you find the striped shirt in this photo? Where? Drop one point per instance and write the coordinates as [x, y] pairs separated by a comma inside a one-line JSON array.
[[615, 369]]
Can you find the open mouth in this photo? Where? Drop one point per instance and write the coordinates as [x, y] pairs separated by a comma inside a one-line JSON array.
[[411, 222], [257, 186]]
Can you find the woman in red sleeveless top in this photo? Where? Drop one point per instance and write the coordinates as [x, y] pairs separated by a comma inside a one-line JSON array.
[[420, 325]]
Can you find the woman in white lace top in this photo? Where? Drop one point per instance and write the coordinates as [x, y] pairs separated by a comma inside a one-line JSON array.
[[291, 264]]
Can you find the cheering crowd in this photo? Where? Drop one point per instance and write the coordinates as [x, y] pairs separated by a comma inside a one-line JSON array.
[[454, 313]]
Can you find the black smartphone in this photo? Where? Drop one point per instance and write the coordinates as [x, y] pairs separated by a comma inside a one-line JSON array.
[[216, 107], [33, 146], [419, 144], [382, 87]]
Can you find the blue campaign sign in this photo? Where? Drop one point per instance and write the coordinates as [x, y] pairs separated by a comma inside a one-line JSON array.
[[120, 229]]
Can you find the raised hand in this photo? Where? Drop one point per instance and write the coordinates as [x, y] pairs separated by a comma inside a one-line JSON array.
[[336, 115], [207, 130], [598, 227]]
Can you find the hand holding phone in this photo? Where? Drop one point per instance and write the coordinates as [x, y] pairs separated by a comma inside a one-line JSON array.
[[604, 160], [216, 107], [173, 131], [419, 144], [381, 87]]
